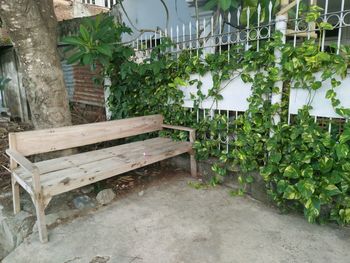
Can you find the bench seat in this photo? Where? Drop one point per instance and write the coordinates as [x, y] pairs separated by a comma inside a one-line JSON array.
[[66, 173]]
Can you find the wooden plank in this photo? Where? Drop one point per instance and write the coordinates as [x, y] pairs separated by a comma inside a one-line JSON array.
[[15, 196], [79, 160], [22, 161], [66, 180], [48, 140], [180, 128], [31, 169], [118, 158], [75, 160], [286, 8], [41, 222], [15, 186], [24, 183], [301, 34], [193, 161]]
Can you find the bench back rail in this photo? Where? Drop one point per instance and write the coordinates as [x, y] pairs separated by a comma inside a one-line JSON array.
[[49, 140]]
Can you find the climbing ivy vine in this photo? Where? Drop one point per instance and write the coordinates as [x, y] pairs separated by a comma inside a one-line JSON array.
[[304, 167]]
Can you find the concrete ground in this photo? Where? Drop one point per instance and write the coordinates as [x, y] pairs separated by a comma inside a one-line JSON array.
[[173, 222]]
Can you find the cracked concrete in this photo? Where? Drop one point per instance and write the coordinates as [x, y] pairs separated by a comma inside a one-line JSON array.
[[172, 222]]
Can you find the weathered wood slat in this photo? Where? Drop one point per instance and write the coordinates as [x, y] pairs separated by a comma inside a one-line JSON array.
[[175, 127], [20, 159], [117, 154], [89, 173], [48, 140], [65, 162], [114, 161]]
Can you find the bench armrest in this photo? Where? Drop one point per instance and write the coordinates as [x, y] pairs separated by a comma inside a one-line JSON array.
[[23, 161], [28, 166], [182, 128]]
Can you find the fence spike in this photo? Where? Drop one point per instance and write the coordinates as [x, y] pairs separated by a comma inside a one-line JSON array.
[[197, 36], [248, 28], [220, 33], [258, 28], [155, 38], [171, 38], [324, 20], [183, 36], [228, 36], [341, 22], [190, 32]]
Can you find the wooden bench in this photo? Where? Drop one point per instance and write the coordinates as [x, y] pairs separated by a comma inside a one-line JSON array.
[[45, 179]]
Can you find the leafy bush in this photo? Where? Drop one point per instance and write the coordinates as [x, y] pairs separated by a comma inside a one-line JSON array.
[[304, 167]]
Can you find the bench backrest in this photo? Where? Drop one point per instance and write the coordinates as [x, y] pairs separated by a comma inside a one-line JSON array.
[[48, 140]]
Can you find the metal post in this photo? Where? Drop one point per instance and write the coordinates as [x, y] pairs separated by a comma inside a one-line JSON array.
[[281, 25], [107, 92]]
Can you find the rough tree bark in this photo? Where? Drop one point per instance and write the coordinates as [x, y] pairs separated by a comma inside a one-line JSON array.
[[32, 27]]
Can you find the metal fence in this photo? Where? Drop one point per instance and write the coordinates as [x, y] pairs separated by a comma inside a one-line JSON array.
[[249, 28], [102, 3]]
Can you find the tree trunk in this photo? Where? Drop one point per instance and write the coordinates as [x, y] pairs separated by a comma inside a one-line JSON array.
[[32, 27]]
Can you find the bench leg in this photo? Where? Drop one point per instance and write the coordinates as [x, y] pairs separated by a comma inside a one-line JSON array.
[[40, 214], [193, 165], [15, 196]]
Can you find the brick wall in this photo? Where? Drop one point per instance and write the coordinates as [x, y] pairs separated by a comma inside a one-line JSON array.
[[86, 98], [85, 90]]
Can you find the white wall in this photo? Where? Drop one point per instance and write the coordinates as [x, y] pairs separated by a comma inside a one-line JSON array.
[[235, 93], [150, 14], [317, 99]]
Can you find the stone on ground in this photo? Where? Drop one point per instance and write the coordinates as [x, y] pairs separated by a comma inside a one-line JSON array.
[[105, 196], [83, 202]]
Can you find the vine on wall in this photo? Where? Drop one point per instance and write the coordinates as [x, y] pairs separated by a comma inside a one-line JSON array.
[[304, 167]]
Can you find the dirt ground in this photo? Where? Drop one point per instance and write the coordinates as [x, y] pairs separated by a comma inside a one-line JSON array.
[[173, 222]]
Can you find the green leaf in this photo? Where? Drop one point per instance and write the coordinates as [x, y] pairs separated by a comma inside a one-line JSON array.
[[275, 157], [87, 59], [332, 190], [307, 172], [346, 167], [105, 49], [316, 85], [266, 171], [330, 94], [249, 179], [344, 137], [290, 172], [345, 215], [306, 188], [225, 4], [281, 186], [326, 26], [84, 33], [342, 150], [312, 209], [291, 193], [326, 164], [75, 57], [73, 41], [210, 5]]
